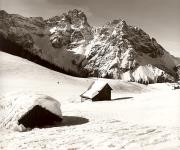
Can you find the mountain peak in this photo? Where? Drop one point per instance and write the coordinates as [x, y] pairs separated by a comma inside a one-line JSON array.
[[3, 13], [76, 17], [70, 27], [75, 13], [116, 23]]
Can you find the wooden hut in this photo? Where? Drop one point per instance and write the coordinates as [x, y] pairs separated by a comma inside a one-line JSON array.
[[98, 91], [30, 110]]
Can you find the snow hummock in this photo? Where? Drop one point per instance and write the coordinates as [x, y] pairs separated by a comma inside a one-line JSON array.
[[94, 89], [14, 106]]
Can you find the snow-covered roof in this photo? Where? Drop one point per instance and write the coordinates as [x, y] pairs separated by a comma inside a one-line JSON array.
[[94, 89], [19, 104]]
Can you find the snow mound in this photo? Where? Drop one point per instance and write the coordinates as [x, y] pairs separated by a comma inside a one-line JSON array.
[[14, 106]]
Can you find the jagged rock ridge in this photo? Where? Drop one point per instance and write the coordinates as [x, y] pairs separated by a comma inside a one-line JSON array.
[[115, 50]]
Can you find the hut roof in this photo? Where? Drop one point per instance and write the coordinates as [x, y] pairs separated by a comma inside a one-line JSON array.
[[94, 89], [18, 104]]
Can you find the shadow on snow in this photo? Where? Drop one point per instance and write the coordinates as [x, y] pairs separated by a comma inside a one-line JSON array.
[[122, 98]]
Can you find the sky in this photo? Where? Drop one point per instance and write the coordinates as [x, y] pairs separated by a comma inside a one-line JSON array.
[[159, 18]]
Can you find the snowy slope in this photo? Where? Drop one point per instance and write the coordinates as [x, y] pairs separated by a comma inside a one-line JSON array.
[[140, 116], [18, 74], [147, 74]]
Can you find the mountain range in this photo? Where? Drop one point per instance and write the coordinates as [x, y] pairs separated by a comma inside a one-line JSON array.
[[69, 44]]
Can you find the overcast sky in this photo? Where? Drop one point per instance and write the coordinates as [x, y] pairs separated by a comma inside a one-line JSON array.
[[159, 18]]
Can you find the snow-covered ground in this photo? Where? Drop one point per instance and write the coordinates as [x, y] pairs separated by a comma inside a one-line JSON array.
[[138, 117]]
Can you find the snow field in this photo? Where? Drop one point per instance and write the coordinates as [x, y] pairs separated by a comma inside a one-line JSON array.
[[140, 117]]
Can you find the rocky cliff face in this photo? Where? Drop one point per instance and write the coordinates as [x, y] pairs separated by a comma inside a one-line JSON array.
[[178, 71], [68, 43], [69, 28]]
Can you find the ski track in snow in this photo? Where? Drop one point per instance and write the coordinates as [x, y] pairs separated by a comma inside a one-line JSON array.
[[144, 120]]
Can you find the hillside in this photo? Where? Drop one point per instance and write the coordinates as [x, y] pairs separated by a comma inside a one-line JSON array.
[[18, 74]]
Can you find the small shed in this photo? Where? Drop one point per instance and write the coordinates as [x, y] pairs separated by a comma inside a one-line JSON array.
[[38, 116], [98, 91], [43, 112], [29, 110]]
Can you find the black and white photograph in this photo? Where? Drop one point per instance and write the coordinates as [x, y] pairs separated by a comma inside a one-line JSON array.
[[89, 74]]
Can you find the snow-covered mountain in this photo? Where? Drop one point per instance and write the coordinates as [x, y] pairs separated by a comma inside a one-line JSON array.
[[69, 44]]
